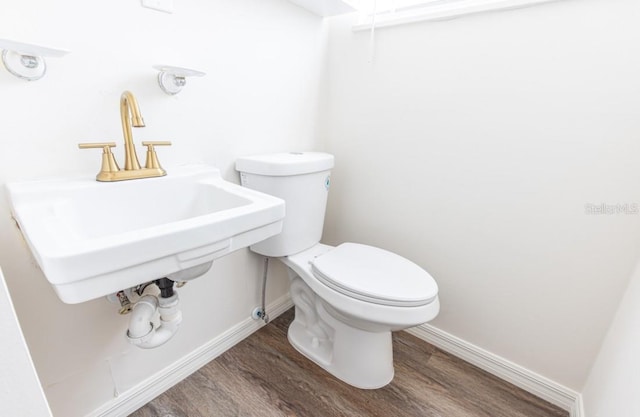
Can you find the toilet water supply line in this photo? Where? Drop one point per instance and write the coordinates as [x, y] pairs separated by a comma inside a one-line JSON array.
[[263, 313], [260, 313], [142, 331]]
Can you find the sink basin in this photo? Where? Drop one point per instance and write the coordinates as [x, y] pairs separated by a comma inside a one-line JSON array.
[[92, 239]]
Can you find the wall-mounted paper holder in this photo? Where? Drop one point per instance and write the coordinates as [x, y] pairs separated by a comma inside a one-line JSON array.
[[172, 79], [26, 60]]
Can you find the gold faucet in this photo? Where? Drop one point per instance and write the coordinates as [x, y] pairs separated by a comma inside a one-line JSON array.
[[130, 116]]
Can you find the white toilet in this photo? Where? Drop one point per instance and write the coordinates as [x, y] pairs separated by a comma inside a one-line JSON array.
[[349, 298]]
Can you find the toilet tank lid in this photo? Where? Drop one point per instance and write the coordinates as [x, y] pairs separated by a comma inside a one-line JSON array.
[[285, 163]]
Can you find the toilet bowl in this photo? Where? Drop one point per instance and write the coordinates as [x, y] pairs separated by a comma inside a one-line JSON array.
[[348, 298], [338, 328]]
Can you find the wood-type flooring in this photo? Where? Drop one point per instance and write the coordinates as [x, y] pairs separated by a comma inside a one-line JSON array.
[[264, 376]]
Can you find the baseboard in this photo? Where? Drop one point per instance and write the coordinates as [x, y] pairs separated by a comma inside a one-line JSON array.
[[137, 396], [542, 387], [578, 409]]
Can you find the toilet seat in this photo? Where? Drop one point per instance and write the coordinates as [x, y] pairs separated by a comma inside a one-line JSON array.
[[374, 275], [375, 314]]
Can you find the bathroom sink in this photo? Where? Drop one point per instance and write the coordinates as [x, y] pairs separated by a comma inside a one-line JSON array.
[[92, 239]]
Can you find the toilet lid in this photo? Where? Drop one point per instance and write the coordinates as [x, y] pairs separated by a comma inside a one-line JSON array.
[[374, 275]]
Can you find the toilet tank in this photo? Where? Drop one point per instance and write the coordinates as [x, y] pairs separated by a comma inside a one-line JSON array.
[[302, 180]]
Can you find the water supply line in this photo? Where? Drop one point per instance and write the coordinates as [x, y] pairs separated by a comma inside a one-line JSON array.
[[260, 313], [125, 303], [265, 316], [142, 332]]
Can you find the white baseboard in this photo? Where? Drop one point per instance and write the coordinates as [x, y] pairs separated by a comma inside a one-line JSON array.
[[542, 387], [137, 396], [578, 409]]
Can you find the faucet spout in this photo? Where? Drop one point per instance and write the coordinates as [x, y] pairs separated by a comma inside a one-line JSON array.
[[130, 116]]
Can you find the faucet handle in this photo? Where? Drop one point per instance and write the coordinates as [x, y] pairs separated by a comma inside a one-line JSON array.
[[152, 157], [103, 145], [109, 164]]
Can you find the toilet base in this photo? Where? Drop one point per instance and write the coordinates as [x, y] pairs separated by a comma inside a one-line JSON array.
[[358, 357]]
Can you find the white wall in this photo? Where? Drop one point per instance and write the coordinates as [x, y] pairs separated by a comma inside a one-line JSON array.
[[264, 63], [20, 389], [612, 386], [471, 146]]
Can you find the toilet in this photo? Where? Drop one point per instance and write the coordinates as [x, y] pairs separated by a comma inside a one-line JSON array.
[[348, 298]]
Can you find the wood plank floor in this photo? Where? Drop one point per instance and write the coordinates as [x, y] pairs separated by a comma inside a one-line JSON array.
[[264, 376]]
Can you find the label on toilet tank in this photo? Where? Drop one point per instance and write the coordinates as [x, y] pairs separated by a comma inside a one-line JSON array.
[[327, 182], [243, 179]]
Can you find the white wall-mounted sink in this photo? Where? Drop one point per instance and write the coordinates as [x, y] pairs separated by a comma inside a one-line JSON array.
[[92, 239]]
